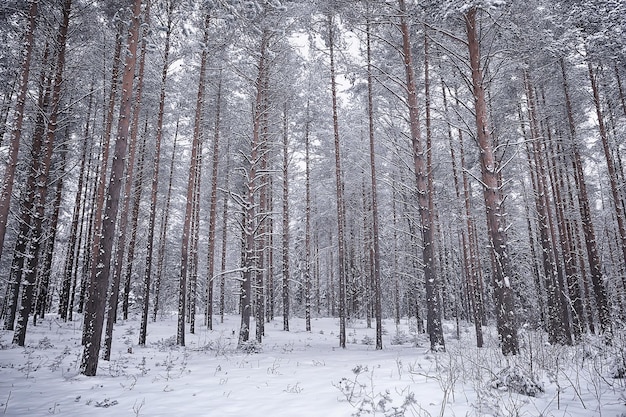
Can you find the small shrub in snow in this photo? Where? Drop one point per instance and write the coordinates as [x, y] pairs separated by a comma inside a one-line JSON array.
[[58, 360], [618, 366], [514, 379], [251, 346], [106, 403], [166, 344], [45, 343], [366, 400], [400, 338], [294, 389], [367, 340]]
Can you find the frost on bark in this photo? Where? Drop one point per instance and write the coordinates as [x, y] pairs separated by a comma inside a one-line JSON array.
[[492, 194], [341, 258], [184, 261], [424, 191], [105, 227], [9, 174], [285, 236], [593, 256], [375, 240], [213, 210], [147, 275], [41, 174], [558, 323], [249, 253]]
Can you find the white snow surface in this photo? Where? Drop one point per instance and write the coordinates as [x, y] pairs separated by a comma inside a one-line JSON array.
[[301, 373]]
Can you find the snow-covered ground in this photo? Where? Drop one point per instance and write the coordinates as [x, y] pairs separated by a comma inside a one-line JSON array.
[[298, 373]]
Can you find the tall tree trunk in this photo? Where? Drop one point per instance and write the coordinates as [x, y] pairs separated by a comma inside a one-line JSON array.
[[492, 192], [155, 180], [341, 261], [95, 224], [195, 236], [28, 197], [558, 323], [45, 270], [132, 243], [424, 191], [213, 210], [285, 236], [375, 233], [6, 190], [68, 271], [249, 231], [163, 230], [41, 182], [467, 238], [131, 161], [563, 210], [593, 257], [105, 227], [98, 196], [224, 236], [182, 289], [613, 181]]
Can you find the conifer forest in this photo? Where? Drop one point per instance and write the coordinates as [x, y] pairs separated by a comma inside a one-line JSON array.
[[439, 186]]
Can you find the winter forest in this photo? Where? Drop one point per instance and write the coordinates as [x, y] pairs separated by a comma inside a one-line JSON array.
[[330, 207]]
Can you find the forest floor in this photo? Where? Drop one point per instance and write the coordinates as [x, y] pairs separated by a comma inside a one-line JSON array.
[[301, 373]]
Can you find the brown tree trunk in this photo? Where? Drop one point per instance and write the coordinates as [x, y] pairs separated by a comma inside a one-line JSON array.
[[27, 198], [182, 289], [213, 210], [249, 221], [6, 190], [163, 231], [195, 236], [605, 320], [41, 183], [492, 193], [567, 238], [224, 236], [558, 329], [68, 272], [105, 227], [467, 238], [45, 270], [155, 181], [339, 189], [423, 182], [132, 243], [593, 257], [375, 233], [285, 236]]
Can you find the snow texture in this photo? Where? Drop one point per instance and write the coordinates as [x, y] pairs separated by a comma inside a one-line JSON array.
[[303, 374]]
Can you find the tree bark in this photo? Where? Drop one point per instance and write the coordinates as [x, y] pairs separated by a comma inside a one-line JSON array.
[[593, 257], [374, 191], [41, 183], [28, 198], [250, 231], [424, 191], [68, 271], [105, 227], [163, 230], [6, 190], [213, 209], [182, 288], [143, 330], [341, 261], [492, 193], [285, 236]]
